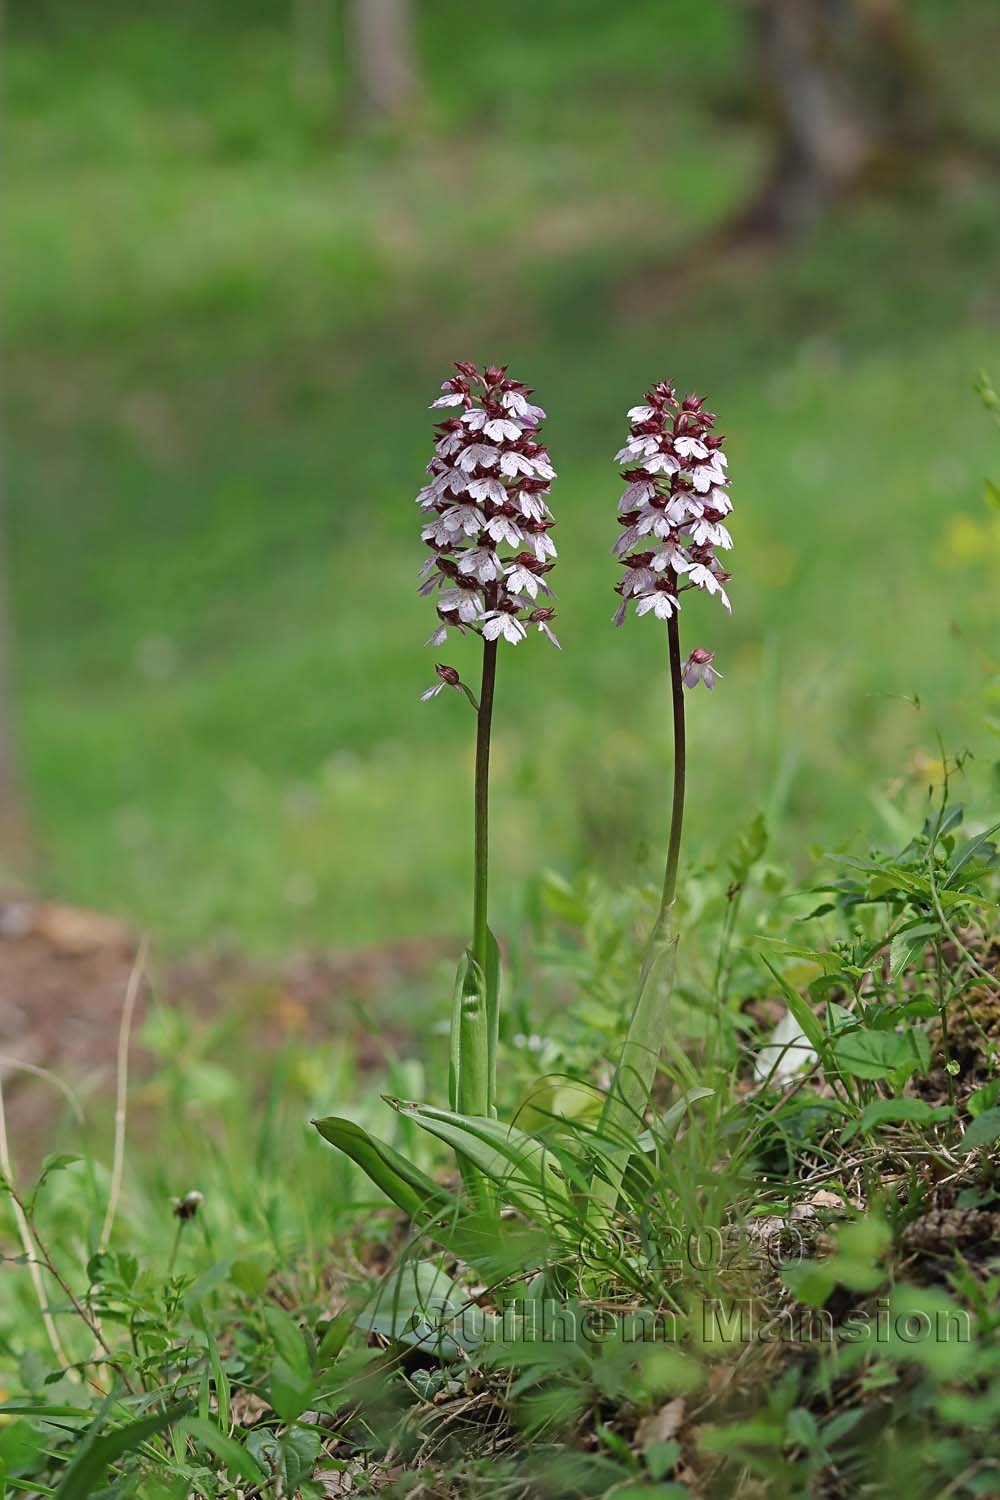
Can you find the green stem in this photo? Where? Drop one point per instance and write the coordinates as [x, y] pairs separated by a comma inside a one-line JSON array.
[[621, 1118], [476, 1012], [478, 1023], [484, 726], [680, 769]]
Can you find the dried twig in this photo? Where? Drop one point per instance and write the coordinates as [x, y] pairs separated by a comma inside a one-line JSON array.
[[121, 1102]]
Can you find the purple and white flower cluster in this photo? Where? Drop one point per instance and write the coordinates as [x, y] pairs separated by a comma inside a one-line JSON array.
[[487, 520], [674, 506]]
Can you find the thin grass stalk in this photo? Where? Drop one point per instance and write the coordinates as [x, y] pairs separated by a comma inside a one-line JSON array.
[[121, 1091], [621, 1118]]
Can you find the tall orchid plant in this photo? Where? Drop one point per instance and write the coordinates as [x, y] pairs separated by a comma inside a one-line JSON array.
[[487, 526]]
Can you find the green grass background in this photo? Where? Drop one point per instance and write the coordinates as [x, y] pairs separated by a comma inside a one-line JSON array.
[[225, 317]]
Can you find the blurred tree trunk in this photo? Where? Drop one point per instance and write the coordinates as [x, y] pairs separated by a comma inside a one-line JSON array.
[[848, 98], [383, 60]]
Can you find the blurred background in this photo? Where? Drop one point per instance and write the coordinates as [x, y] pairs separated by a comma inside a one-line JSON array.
[[244, 242]]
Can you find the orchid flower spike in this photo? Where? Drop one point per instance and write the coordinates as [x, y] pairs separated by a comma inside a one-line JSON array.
[[698, 668], [674, 505], [487, 520]]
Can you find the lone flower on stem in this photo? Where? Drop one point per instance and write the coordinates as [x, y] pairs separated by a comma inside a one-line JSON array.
[[487, 526], [697, 668], [672, 516]]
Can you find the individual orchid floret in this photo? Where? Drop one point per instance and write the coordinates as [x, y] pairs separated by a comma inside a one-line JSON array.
[[673, 507], [698, 668], [487, 521], [540, 619], [447, 677]]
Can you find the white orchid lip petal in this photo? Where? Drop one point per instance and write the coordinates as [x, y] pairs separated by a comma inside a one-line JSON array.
[[662, 463], [500, 429]]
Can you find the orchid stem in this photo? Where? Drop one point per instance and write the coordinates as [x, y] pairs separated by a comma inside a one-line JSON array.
[[680, 769], [476, 1014], [478, 1018], [625, 1105], [484, 728]]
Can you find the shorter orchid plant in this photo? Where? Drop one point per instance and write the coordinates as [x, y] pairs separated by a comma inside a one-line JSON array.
[[487, 526], [672, 515]]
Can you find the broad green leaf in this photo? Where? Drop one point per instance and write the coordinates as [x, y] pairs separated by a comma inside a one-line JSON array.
[[829, 963], [800, 1425], [288, 1339], [907, 943], [809, 1281], [249, 1277], [984, 1130], [233, 1454], [418, 1304], [292, 1385], [926, 1327], [50, 1165], [409, 1188], [555, 1098], [207, 1282], [300, 1448], [855, 1264], [876, 1054], [522, 1167], [22, 1443], [984, 1098], [969, 851], [892, 1111]]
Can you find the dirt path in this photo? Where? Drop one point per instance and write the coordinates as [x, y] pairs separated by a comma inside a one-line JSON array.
[[64, 974]]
